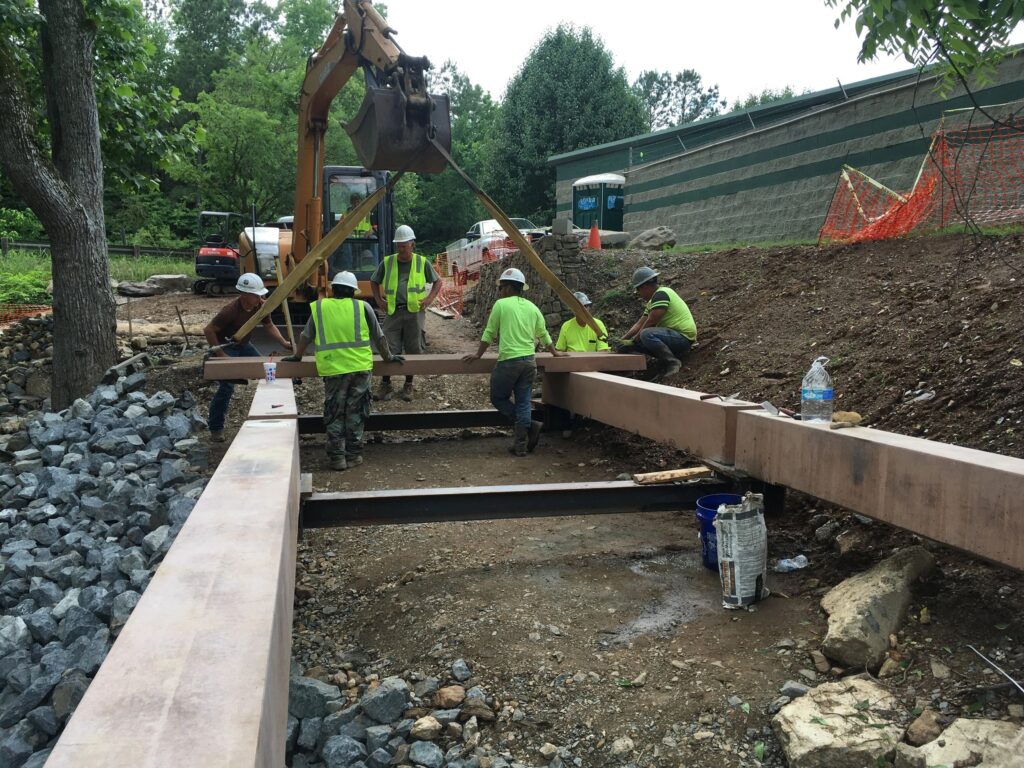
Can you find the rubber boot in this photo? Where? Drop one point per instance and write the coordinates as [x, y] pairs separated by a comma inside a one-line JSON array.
[[522, 436], [534, 436]]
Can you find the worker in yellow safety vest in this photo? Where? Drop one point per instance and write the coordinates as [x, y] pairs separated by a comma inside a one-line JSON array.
[[577, 336], [342, 328], [363, 226], [666, 329], [400, 288]]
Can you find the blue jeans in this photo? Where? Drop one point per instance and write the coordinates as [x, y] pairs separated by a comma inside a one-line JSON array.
[[514, 378], [221, 399], [662, 343]]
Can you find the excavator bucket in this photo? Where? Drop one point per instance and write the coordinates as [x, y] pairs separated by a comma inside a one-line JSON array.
[[388, 135]]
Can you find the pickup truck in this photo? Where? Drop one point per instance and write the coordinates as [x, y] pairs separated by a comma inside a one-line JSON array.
[[485, 241]]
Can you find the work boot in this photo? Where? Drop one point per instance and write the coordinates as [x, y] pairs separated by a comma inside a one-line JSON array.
[[407, 392], [385, 392], [534, 436], [668, 368], [217, 436], [354, 461], [338, 463], [522, 436]]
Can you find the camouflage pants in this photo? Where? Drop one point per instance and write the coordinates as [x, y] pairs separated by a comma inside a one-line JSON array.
[[346, 406]]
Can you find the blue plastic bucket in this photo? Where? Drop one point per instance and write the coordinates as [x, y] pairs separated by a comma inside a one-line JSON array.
[[707, 510]]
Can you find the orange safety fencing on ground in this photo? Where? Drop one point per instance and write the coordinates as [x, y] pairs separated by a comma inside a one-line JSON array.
[[11, 313], [969, 174], [450, 299]]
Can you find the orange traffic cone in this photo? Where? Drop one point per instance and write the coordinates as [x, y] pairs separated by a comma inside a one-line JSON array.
[[594, 241]]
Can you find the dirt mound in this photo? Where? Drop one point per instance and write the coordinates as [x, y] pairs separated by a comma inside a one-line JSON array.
[[924, 335]]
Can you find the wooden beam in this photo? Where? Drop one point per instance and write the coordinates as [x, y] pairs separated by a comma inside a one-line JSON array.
[[959, 496], [274, 400], [419, 365], [199, 674], [704, 428]]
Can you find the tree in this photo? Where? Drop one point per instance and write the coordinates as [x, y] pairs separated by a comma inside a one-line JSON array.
[[207, 33], [62, 183], [567, 95], [767, 96], [968, 35], [676, 99]]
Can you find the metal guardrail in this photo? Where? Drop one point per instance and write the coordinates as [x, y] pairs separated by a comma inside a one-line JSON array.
[[6, 244]]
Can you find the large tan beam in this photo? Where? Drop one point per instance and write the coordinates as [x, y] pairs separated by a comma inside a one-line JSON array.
[[199, 674], [962, 497], [705, 428], [274, 400], [419, 365]]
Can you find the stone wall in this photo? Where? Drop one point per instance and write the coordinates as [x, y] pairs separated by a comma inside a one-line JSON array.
[[776, 183], [561, 254]]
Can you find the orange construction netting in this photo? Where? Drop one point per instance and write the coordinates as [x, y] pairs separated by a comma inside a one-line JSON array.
[[973, 174], [11, 313]]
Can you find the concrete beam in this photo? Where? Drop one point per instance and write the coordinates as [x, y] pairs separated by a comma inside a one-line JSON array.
[[704, 428], [199, 674], [274, 400], [959, 496], [419, 365]]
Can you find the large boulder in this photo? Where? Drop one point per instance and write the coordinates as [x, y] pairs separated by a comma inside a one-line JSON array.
[[653, 239], [865, 609], [171, 283], [968, 742], [848, 724], [137, 289]]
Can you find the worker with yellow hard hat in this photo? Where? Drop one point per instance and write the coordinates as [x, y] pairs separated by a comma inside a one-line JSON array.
[[342, 328]]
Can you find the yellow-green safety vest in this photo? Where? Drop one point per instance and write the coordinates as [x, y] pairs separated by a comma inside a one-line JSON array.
[[342, 337], [416, 288]]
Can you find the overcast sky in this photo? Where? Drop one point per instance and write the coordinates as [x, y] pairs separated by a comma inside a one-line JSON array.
[[744, 46]]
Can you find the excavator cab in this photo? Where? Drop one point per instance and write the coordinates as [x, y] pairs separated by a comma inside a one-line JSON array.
[[398, 120]]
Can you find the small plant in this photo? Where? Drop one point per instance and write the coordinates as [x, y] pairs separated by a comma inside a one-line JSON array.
[[24, 288]]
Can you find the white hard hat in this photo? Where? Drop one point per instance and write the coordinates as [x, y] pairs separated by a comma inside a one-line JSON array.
[[347, 279], [404, 233], [513, 275], [251, 283], [581, 297]]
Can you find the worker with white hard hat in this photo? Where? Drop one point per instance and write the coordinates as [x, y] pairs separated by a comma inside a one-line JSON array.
[[342, 328], [577, 336], [517, 324], [400, 289], [666, 329], [221, 335]]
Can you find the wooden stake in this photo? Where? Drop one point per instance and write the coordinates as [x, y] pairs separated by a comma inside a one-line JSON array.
[[182, 322], [672, 475]]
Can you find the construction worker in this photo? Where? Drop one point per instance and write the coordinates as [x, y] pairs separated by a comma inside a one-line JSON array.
[[220, 334], [363, 227], [517, 324], [342, 329], [577, 336], [666, 329], [400, 288]]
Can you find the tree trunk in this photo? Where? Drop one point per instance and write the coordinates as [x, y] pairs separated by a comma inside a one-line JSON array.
[[65, 192]]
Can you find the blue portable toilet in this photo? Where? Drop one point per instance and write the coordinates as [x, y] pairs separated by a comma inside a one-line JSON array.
[[599, 198]]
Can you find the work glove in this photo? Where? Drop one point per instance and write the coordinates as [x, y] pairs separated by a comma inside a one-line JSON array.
[[397, 359], [291, 359], [623, 345]]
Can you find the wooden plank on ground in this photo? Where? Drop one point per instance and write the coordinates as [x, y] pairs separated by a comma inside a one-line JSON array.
[[419, 365], [274, 400], [672, 475], [199, 674], [704, 428], [959, 496]]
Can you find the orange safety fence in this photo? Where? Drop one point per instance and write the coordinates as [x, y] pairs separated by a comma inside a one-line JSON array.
[[969, 174], [451, 296], [11, 313]]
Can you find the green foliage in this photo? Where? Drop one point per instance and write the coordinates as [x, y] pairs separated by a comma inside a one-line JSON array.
[[122, 267], [676, 99], [24, 287], [20, 225], [767, 96], [567, 95], [968, 36]]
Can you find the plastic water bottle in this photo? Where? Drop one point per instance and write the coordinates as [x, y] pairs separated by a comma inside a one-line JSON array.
[[816, 394], [789, 564]]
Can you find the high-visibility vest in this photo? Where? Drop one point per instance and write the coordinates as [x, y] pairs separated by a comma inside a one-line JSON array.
[[342, 337], [416, 288]]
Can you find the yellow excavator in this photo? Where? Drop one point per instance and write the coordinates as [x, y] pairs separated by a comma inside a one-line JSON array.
[[394, 130]]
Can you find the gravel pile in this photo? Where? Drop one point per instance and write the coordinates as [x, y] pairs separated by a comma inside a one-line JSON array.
[[91, 499], [26, 350]]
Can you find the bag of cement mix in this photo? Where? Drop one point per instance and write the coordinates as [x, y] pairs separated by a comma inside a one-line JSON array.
[[742, 551]]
